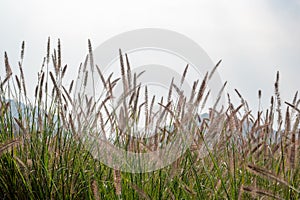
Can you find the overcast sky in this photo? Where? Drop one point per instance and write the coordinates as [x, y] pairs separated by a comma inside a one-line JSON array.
[[253, 38]]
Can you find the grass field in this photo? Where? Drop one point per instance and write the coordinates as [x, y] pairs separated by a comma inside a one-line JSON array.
[[41, 156]]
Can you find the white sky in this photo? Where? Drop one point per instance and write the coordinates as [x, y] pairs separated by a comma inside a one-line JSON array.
[[253, 38]]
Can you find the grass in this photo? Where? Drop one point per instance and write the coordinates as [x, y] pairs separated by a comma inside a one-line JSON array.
[[42, 156]]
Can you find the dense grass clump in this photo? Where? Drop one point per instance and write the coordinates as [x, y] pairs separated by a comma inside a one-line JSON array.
[[42, 155]]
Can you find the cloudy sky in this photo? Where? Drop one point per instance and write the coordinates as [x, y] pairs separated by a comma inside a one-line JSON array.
[[253, 38]]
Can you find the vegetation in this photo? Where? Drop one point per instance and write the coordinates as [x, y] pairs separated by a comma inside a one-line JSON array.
[[42, 156]]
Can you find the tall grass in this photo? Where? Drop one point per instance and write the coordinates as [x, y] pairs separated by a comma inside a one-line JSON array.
[[43, 157]]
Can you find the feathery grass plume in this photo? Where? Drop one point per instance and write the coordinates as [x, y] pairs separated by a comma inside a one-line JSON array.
[[110, 88], [178, 109], [229, 102], [22, 51], [58, 57], [8, 71], [156, 136], [201, 90], [229, 119], [3, 83], [243, 101], [183, 106], [170, 90], [135, 107], [296, 104], [255, 128], [267, 130], [110, 117], [293, 133], [177, 89], [298, 137], [140, 74], [151, 109], [121, 120], [286, 132], [117, 182], [236, 120], [257, 147], [129, 74], [259, 100], [139, 111], [134, 81], [240, 96], [101, 77], [85, 63], [67, 93], [193, 92], [64, 71], [114, 83], [71, 123], [293, 154], [21, 69], [214, 70], [48, 51], [293, 151], [91, 57], [271, 115], [254, 191], [95, 190], [88, 103], [162, 111], [56, 88], [146, 109], [219, 95], [205, 101], [18, 82], [36, 92], [85, 79], [41, 87], [232, 118], [278, 98], [47, 71], [184, 75], [132, 97], [7, 65], [124, 81], [92, 66], [54, 61], [71, 87], [293, 106], [287, 121], [244, 118]]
